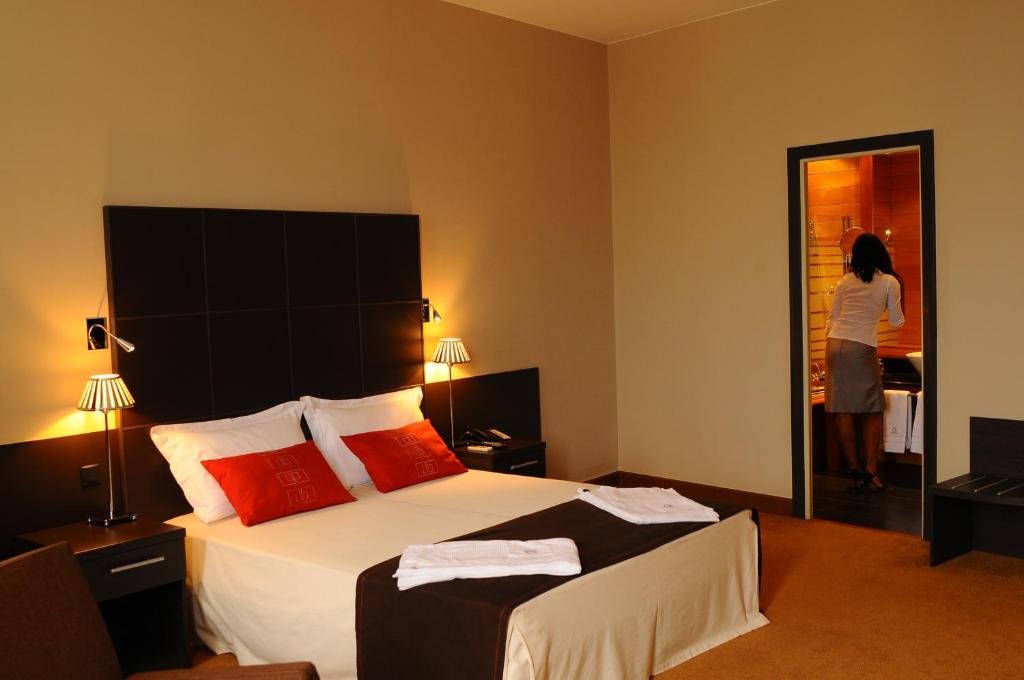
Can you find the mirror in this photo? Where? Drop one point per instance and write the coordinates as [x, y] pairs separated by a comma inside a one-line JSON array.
[[849, 236]]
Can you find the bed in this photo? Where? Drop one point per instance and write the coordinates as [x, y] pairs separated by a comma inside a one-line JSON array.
[[335, 313], [285, 589]]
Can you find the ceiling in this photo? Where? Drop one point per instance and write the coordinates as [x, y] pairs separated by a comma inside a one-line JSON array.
[[609, 21]]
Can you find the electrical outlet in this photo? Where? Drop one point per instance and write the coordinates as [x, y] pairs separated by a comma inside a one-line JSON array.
[[90, 475], [95, 338]]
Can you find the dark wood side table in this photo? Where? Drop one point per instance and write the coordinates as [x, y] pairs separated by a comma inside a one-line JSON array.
[[518, 457], [137, 573]]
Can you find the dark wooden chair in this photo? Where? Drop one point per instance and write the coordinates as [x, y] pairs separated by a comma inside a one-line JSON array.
[[51, 627]]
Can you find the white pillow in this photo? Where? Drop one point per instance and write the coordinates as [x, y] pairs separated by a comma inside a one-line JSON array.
[[329, 419], [186, 444]]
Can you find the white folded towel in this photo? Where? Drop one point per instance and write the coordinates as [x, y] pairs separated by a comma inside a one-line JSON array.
[[647, 505], [917, 431], [897, 421], [485, 559]]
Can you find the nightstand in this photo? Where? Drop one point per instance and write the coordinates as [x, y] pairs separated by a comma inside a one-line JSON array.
[[137, 573], [519, 457]]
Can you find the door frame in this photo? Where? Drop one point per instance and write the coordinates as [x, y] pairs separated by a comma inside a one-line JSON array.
[[798, 351]]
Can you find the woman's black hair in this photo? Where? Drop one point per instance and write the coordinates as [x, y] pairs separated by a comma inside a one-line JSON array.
[[869, 254]]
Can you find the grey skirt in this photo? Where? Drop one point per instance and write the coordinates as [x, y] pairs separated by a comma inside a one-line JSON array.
[[853, 379]]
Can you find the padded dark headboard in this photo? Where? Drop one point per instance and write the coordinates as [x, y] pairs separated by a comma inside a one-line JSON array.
[[234, 311]]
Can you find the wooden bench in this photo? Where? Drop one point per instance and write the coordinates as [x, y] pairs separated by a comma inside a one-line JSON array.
[[983, 509]]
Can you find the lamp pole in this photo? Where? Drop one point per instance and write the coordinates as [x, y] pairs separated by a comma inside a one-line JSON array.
[[451, 405]]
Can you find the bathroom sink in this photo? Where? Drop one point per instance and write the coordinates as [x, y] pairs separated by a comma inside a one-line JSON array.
[[917, 358]]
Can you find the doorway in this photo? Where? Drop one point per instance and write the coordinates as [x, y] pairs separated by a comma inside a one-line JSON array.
[[836, 191]]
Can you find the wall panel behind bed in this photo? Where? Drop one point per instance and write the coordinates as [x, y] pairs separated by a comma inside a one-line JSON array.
[[234, 311]]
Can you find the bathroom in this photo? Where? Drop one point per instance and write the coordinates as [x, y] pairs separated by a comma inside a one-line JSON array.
[[845, 197]]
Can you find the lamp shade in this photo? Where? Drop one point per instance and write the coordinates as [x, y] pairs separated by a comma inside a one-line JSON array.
[[450, 351], [106, 392]]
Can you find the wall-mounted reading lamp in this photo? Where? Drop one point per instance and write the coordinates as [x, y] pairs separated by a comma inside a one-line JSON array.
[[428, 312], [98, 340]]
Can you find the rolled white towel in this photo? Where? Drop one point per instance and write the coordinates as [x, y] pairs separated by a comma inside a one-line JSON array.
[[647, 505], [437, 562]]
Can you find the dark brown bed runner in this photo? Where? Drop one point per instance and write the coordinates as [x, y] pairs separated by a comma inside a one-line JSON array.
[[457, 629]]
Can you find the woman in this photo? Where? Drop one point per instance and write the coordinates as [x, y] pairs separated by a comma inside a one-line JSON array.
[[853, 378]]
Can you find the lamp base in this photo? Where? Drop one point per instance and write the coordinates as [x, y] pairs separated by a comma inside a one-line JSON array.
[[111, 521]]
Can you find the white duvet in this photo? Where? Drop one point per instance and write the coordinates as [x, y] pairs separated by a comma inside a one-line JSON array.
[[285, 590]]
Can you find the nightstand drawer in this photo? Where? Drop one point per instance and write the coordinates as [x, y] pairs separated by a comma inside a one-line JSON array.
[[529, 463], [133, 570]]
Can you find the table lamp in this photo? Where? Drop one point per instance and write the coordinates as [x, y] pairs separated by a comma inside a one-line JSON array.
[[450, 351], [106, 393]]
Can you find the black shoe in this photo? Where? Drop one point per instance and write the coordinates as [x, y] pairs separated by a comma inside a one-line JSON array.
[[857, 479]]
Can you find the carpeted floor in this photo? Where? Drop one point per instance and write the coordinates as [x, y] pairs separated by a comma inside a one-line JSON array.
[[849, 602]]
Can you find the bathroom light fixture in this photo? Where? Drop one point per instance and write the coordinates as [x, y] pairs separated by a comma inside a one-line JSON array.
[[97, 341], [105, 393], [425, 312], [450, 351]]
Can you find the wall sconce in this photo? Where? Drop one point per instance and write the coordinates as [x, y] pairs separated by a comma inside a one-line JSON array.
[[98, 340], [888, 237], [428, 312]]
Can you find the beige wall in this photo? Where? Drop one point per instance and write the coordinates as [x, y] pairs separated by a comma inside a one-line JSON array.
[[494, 132], [701, 117]]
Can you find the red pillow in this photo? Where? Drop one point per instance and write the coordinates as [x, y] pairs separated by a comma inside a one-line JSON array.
[[404, 456], [265, 486]]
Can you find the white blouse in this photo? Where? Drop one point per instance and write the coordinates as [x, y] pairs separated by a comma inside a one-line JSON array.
[[858, 306]]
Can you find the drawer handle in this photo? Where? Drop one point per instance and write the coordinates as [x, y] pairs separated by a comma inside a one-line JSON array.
[[522, 465], [136, 565]]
